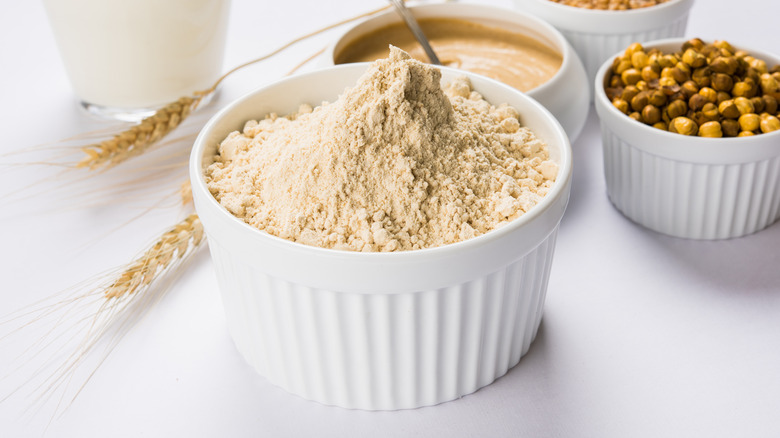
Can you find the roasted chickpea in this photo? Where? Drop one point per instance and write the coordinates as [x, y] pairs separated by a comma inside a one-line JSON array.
[[728, 109], [697, 102], [709, 94], [689, 88], [710, 129], [769, 84], [684, 126], [744, 105], [657, 98], [746, 88], [769, 123], [726, 65], [661, 125], [621, 105], [758, 104], [730, 127], [623, 66], [676, 109], [721, 82], [648, 73], [651, 114], [639, 60], [749, 122], [710, 111], [631, 76], [629, 92], [770, 104], [640, 100]]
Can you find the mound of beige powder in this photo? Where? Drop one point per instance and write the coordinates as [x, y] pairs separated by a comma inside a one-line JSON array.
[[395, 163]]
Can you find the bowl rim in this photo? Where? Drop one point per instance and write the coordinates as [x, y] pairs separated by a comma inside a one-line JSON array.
[[600, 21], [723, 150], [461, 11], [559, 189]]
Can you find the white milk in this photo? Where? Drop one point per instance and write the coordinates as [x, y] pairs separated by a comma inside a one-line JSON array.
[[134, 54]]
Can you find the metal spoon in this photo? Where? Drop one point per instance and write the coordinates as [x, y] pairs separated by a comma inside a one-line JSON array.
[[412, 24]]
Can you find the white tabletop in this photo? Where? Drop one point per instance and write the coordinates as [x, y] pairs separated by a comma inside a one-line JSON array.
[[643, 335]]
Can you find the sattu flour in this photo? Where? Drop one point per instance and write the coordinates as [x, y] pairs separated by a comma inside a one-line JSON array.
[[395, 163]]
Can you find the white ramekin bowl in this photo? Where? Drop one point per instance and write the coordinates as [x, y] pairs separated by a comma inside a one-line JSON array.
[[380, 331], [597, 34], [566, 94], [691, 187]]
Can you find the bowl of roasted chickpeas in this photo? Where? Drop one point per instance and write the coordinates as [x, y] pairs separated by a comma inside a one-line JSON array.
[[691, 136]]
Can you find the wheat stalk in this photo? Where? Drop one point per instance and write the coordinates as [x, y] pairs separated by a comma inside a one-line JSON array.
[[137, 139]]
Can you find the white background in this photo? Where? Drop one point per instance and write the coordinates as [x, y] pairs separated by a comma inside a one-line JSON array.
[[643, 335]]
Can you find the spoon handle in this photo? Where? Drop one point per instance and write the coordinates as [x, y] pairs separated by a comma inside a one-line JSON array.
[[416, 30]]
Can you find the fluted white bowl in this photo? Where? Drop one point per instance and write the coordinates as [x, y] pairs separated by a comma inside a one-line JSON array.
[[565, 95], [380, 331], [683, 186], [597, 34]]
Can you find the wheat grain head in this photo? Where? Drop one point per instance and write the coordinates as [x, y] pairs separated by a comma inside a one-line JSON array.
[[137, 139], [172, 245]]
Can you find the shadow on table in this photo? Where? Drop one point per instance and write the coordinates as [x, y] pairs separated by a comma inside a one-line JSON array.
[[744, 264]]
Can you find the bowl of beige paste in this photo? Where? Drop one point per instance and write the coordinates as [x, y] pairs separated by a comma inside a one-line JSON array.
[[382, 233], [513, 47]]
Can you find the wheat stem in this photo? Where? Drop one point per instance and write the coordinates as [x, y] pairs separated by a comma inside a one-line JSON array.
[[306, 61]]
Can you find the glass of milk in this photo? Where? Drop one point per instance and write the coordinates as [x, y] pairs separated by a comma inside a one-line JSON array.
[[126, 58]]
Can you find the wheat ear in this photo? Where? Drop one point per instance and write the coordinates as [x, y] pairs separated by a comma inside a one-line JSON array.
[[94, 316], [141, 137], [137, 139], [173, 244]]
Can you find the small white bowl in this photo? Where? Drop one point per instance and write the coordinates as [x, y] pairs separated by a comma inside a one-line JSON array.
[[566, 94], [683, 186], [380, 331], [597, 34]]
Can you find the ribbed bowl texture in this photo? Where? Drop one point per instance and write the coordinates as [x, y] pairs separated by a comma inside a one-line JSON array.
[[380, 331]]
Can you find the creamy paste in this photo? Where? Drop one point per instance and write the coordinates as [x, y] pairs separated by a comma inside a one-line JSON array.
[[509, 57]]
